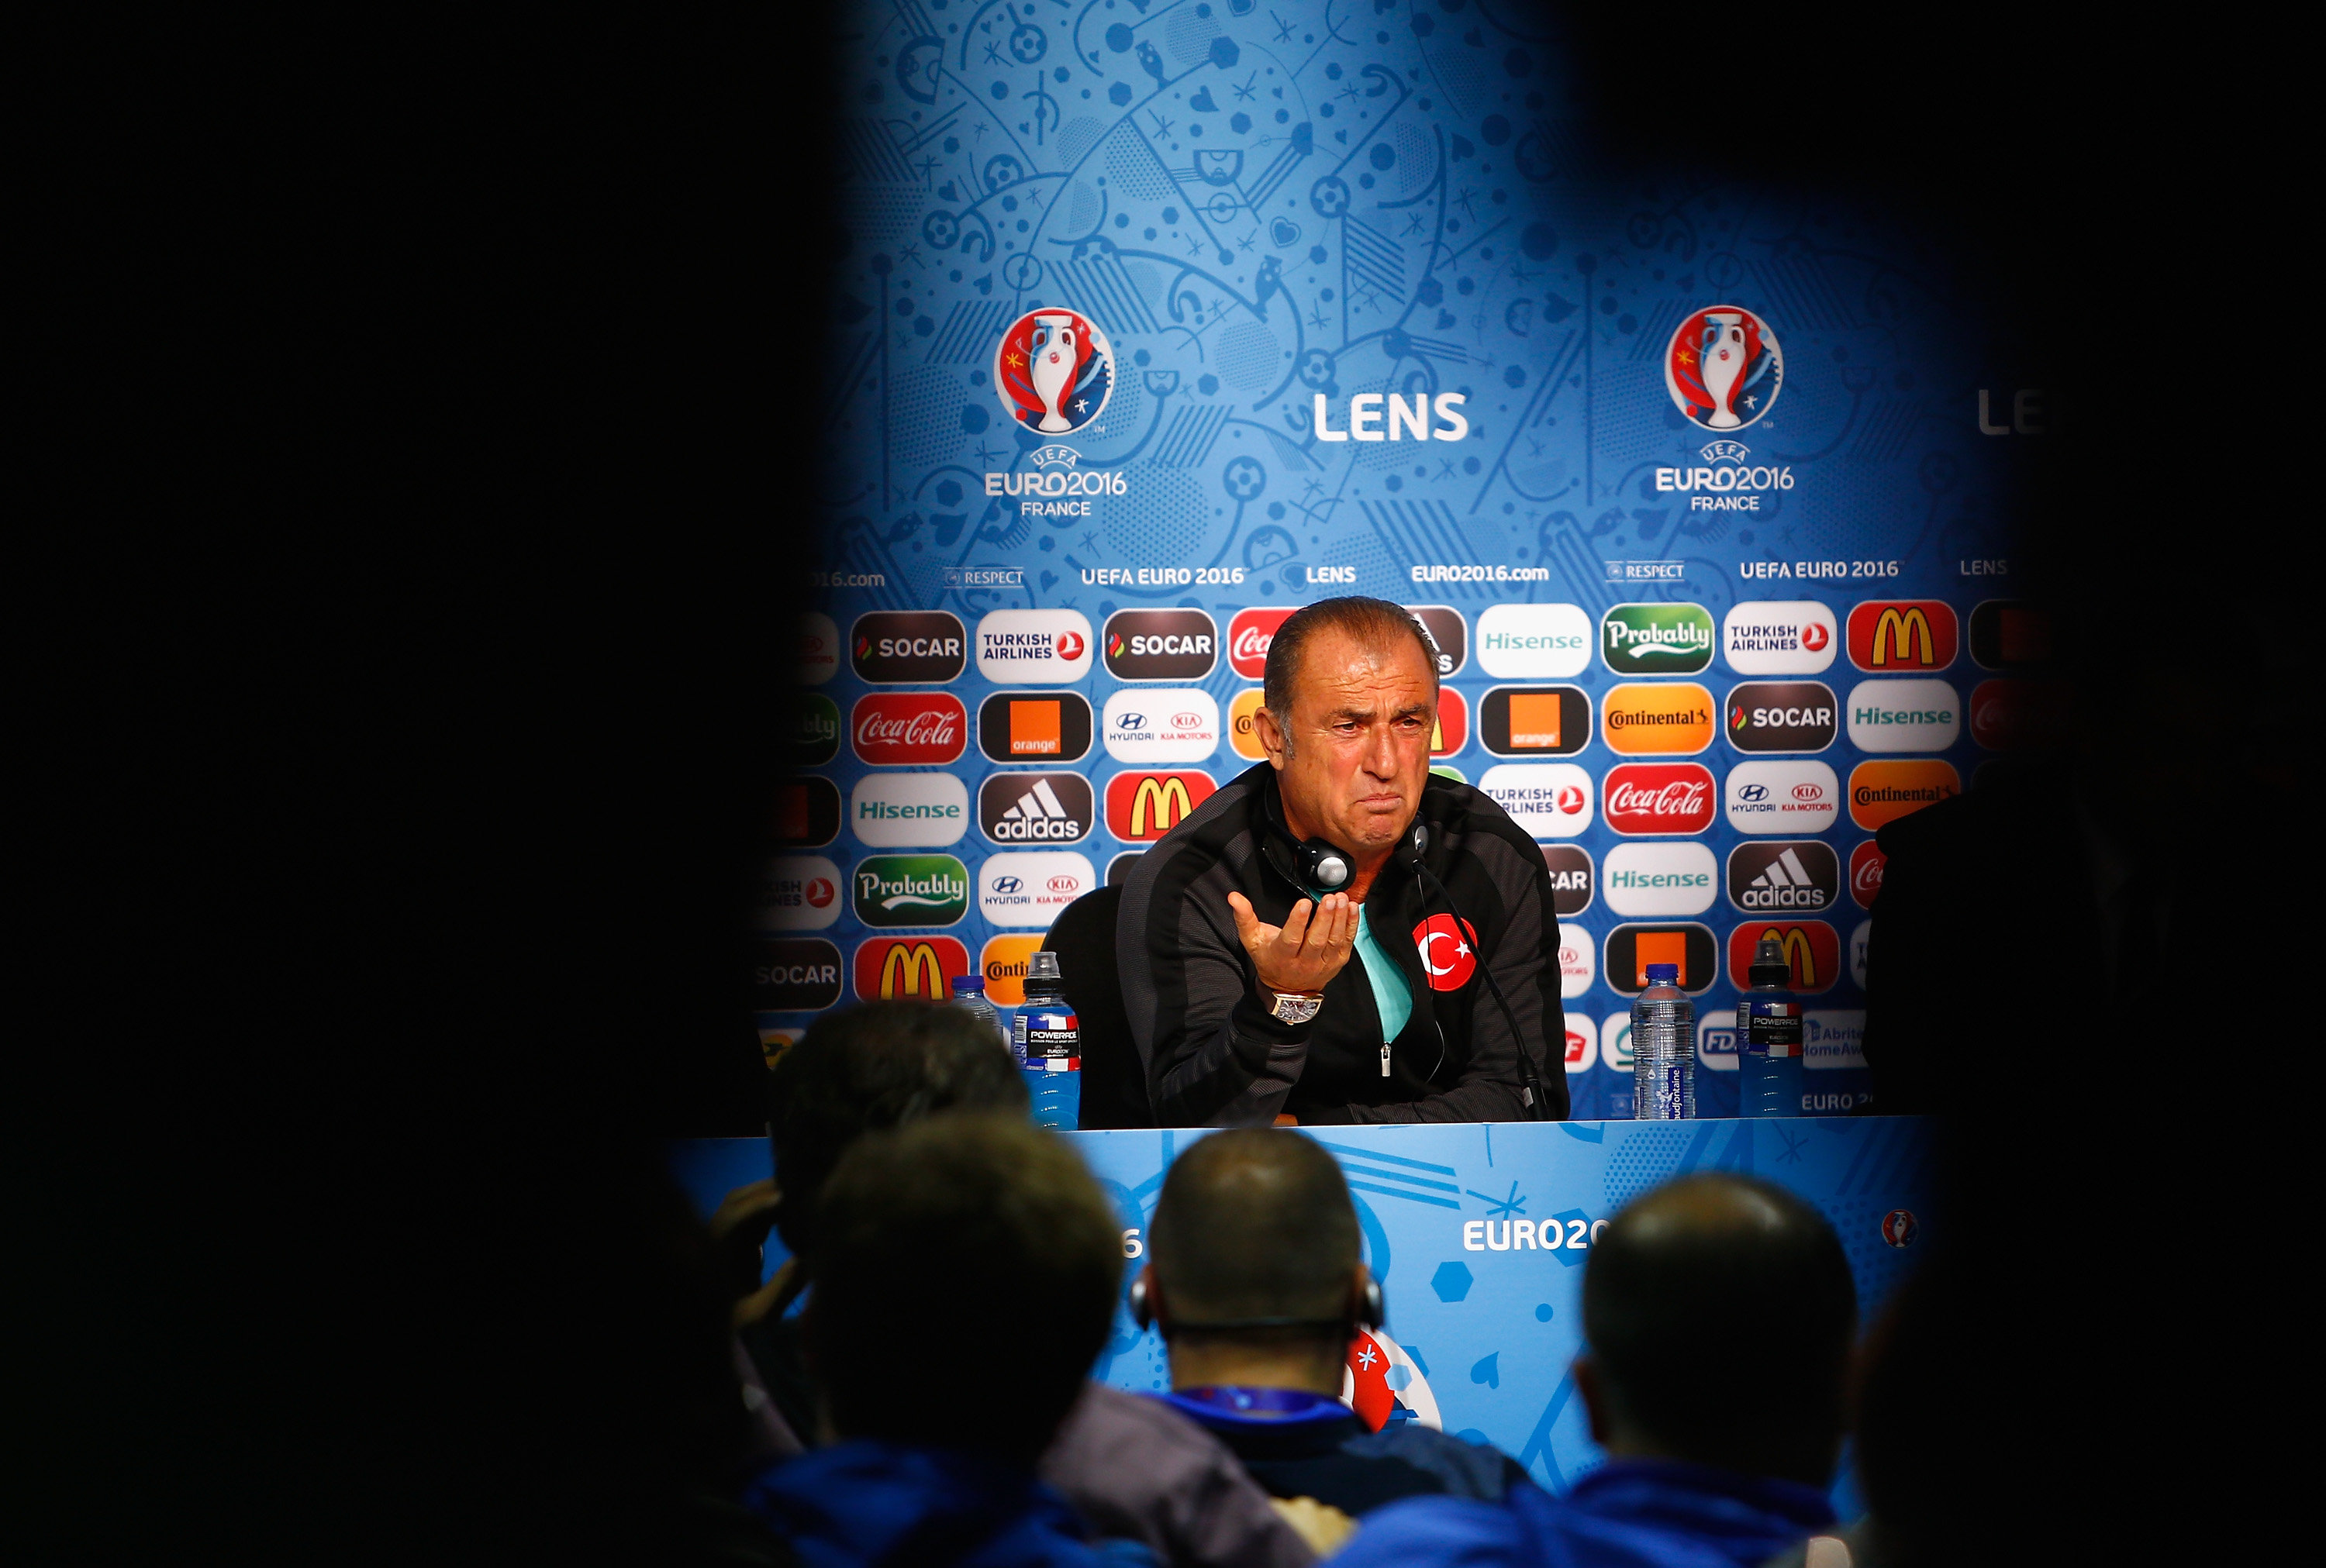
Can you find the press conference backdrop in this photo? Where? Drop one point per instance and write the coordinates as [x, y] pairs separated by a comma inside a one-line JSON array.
[[1158, 323]]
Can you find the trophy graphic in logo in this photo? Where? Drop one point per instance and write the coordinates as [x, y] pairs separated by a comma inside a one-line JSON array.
[[1054, 371], [1723, 367]]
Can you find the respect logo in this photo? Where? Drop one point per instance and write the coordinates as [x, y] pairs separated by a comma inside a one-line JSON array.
[[1656, 639], [1883, 791], [1642, 720]]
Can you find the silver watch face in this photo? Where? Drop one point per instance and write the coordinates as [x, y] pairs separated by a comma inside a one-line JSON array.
[[1296, 1009]]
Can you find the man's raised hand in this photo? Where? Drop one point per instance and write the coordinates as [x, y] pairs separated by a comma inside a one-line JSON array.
[[1306, 950]]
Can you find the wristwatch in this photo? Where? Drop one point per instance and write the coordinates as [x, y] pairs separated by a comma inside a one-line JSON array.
[[1292, 1006]]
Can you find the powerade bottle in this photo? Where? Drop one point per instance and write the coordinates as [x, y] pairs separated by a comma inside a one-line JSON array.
[[1663, 1049], [969, 994], [1049, 1042], [1769, 1037]]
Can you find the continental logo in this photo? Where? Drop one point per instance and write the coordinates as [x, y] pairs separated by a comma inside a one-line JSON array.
[[1903, 637], [914, 967], [1641, 720], [1141, 807], [1656, 639], [1243, 731], [1003, 964], [1812, 951], [1883, 791]]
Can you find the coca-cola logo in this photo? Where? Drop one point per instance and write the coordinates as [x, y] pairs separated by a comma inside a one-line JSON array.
[[903, 728], [1658, 797], [1865, 864], [1249, 636]]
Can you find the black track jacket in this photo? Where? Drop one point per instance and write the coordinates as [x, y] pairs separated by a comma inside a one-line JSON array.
[[1213, 1056]]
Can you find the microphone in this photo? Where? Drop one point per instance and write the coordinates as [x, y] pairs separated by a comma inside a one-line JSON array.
[[1409, 854]]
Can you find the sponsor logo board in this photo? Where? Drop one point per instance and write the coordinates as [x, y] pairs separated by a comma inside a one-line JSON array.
[[1534, 721], [2006, 714], [1642, 720], [1160, 645], [1571, 876], [889, 890], [1141, 807], [1723, 367], [808, 812], [1243, 734], [1038, 647], [2006, 635], [906, 728], [1660, 881], [1906, 637], [1249, 634], [1781, 716], [1861, 940], [1449, 632], [1783, 797], [1653, 798], [907, 647], [1550, 800], [1451, 733], [1903, 716], [1865, 864], [812, 736], [1165, 724], [795, 974], [1812, 949], [1578, 960], [1715, 1040], [1004, 964], [1656, 639], [799, 893], [1582, 1045], [1031, 889], [1831, 1040], [1534, 641], [1883, 791], [1119, 869], [920, 968], [1034, 726], [816, 649], [773, 1042], [1616, 1047], [1784, 876], [1793, 637], [1016, 810], [1632, 948], [893, 811]]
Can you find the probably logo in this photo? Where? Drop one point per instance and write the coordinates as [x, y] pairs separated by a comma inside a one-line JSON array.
[[799, 893], [1651, 798], [1451, 733], [1570, 869], [1812, 951], [1656, 639], [1141, 807], [1534, 641], [1794, 637], [1534, 721], [2006, 635], [1004, 965], [1249, 636], [1723, 367], [1449, 632], [1033, 647], [1160, 645], [1903, 637], [1903, 716], [1036, 808], [900, 728], [909, 890], [817, 650], [1579, 961], [1783, 797], [1043, 727], [808, 812], [1450, 954], [1899, 1227], [1550, 800], [1630, 949], [1781, 716], [1658, 881], [1149, 725], [812, 738], [1642, 720], [896, 811], [1054, 371], [1865, 864], [1795, 875], [797, 975], [1883, 791], [922, 968], [1243, 729], [907, 647], [1030, 889]]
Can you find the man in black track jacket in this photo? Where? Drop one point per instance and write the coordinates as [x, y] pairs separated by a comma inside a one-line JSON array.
[[1238, 929]]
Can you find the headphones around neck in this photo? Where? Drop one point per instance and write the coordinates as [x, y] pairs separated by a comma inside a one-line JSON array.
[[1312, 865], [1370, 1313]]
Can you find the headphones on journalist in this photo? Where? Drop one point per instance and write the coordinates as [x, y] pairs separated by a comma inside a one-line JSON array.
[[1312, 865], [1370, 1313]]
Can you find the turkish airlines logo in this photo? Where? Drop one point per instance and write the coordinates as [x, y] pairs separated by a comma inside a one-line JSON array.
[[907, 647], [1030, 647], [1793, 637], [1865, 864], [897, 728], [1039, 727], [797, 975], [1658, 797], [1141, 807], [799, 893], [1802, 874], [1783, 797], [1448, 950], [1249, 636], [1161, 645], [1781, 716], [1550, 800], [921, 968], [1034, 807], [1903, 637], [1813, 951]]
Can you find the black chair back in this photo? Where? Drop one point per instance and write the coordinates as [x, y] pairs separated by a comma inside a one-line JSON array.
[[1115, 1084]]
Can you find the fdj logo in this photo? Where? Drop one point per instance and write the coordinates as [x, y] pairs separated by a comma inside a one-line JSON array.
[[1723, 367], [1054, 371], [1656, 639]]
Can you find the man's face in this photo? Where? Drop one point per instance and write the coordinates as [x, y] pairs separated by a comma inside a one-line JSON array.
[[1352, 756]]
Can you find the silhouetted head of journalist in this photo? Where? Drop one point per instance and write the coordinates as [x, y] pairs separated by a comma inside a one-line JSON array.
[[949, 1240], [1719, 1314]]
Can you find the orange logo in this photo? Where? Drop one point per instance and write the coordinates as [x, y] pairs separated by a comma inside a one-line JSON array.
[[1004, 963], [1663, 719], [1534, 721], [1883, 791], [1662, 947], [1034, 729], [1241, 734]]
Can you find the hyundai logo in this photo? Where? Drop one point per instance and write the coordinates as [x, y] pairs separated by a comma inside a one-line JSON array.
[[1751, 793], [1006, 883], [1132, 721]]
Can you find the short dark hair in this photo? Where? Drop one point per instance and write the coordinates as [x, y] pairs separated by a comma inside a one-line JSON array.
[[865, 1068], [1255, 1223], [1721, 1311], [965, 1231], [1368, 620]]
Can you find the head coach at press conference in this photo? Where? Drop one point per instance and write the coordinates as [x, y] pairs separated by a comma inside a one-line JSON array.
[[1339, 935]]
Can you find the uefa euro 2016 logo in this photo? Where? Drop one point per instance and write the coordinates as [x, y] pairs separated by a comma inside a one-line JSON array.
[[1723, 368], [1054, 371]]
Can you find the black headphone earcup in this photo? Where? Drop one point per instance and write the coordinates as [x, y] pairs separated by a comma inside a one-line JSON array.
[[1373, 1316], [1141, 1313]]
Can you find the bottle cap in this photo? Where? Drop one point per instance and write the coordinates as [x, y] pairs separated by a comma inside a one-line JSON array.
[[1769, 965], [964, 985], [1042, 966], [1663, 974]]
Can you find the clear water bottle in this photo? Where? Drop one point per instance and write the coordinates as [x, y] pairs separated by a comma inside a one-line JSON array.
[[969, 994], [1769, 1036], [1663, 1049], [1049, 1046]]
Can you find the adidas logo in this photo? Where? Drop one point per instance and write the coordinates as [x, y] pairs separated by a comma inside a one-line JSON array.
[[1039, 816], [1784, 884]]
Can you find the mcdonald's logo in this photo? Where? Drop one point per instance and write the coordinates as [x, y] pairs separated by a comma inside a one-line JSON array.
[[1812, 951], [1891, 636], [1451, 733], [914, 968], [1141, 807]]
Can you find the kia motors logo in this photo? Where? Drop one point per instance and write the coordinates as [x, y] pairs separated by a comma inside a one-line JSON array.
[[1141, 807], [1571, 876], [1021, 809], [1449, 632], [1451, 733], [1534, 721], [1249, 636], [1784, 876], [1449, 951], [1658, 881], [1172, 725], [909, 968], [815, 650], [798, 893], [907, 647], [1658, 797], [894, 811], [1161, 645], [1903, 637], [1812, 951], [1781, 716], [1783, 797], [1658, 720], [808, 812], [1656, 639], [900, 728], [1031, 889], [1578, 960], [1883, 791], [812, 734], [1534, 641], [1630, 949], [890, 890], [795, 974], [2006, 635], [1793, 637], [1903, 716], [1243, 724], [1550, 800], [1865, 864], [1033, 647], [1037, 726]]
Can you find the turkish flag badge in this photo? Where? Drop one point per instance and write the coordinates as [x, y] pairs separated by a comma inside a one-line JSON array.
[[1449, 952]]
